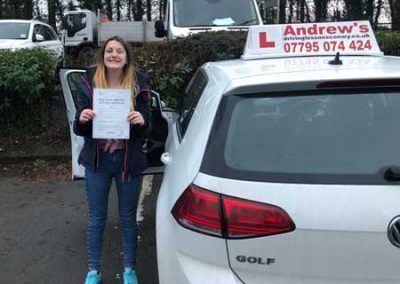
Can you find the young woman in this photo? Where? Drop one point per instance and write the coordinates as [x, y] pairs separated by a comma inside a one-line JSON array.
[[105, 160]]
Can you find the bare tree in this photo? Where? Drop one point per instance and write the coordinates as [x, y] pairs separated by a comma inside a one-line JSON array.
[[3, 9], [71, 6], [109, 9], [369, 9], [118, 9], [282, 11], [36, 10], [354, 9], [163, 4], [148, 10], [139, 11], [51, 17], [27, 9], [395, 14], [60, 8], [379, 7], [129, 10], [301, 10], [308, 12], [17, 9], [92, 5], [321, 10], [291, 11]]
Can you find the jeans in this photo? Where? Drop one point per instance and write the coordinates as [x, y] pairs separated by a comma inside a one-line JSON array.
[[98, 184]]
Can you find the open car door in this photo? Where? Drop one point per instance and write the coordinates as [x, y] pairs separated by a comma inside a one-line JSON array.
[[153, 146]]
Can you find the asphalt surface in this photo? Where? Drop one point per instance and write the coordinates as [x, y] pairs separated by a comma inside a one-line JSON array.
[[43, 233]]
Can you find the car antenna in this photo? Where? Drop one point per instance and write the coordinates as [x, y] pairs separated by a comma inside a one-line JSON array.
[[336, 61]]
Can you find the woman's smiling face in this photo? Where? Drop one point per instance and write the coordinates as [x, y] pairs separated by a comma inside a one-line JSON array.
[[114, 55]]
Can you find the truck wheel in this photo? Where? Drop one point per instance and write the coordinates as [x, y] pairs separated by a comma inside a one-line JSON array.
[[87, 55]]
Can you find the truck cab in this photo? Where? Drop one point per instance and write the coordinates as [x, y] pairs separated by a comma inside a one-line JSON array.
[[183, 17], [83, 31], [79, 29]]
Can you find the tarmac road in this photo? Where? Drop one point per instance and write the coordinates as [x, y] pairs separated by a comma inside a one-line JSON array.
[[43, 233]]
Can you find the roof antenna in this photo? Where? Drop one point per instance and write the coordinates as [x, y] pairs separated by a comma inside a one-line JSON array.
[[336, 61]]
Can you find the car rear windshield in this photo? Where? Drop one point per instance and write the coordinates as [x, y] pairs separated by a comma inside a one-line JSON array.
[[14, 30], [306, 137]]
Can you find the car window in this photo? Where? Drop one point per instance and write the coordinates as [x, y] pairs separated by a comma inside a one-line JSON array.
[[45, 31], [49, 34], [313, 137], [38, 29], [74, 23], [14, 30], [74, 82], [193, 93]]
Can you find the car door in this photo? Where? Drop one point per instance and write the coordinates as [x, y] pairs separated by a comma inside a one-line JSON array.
[[153, 146], [50, 40]]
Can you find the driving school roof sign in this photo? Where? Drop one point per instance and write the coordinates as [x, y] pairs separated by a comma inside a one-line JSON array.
[[348, 38]]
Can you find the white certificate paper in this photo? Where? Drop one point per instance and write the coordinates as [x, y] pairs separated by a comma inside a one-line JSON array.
[[112, 108]]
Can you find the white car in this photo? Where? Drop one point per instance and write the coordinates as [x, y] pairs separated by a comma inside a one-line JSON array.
[[18, 34], [284, 166]]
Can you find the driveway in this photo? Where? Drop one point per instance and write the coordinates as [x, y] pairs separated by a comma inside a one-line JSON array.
[[43, 233]]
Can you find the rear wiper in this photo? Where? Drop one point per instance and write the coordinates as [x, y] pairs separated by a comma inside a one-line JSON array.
[[204, 25], [246, 22], [392, 173]]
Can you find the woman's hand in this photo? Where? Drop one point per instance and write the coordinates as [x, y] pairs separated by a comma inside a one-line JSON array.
[[136, 117], [86, 115]]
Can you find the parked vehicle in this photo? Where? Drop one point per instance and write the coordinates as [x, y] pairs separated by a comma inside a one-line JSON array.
[[18, 34], [83, 31], [282, 166]]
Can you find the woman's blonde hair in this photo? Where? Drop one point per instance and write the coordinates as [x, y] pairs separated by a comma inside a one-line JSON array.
[[128, 80]]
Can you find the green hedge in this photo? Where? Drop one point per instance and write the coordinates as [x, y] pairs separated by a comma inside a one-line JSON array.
[[389, 42], [26, 83]]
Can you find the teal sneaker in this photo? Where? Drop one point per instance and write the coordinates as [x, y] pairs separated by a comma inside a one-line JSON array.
[[93, 277], [130, 276]]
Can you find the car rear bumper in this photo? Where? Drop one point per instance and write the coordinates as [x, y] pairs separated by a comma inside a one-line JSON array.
[[187, 257]]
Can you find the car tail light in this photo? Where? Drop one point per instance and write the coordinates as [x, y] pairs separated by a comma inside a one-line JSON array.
[[252, 219], [223, 216], [199, 210]]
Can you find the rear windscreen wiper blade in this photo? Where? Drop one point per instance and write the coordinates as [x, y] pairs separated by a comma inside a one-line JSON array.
[[205, 25], [392, 173], [247, 22]]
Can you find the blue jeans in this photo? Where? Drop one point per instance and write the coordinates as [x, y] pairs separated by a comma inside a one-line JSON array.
[[98, 184]]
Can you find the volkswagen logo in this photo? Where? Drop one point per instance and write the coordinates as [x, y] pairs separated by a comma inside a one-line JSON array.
[[394, 231]]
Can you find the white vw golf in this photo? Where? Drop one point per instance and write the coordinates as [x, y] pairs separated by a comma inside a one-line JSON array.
[[284, 166]]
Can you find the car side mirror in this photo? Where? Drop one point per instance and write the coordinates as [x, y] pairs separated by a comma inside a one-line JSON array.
[[39, 37], [159, 29]]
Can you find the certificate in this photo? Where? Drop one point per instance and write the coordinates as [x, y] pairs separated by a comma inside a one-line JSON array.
[[112, 108]]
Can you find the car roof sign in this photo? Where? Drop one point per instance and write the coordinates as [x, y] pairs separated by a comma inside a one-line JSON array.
[[311, 39]]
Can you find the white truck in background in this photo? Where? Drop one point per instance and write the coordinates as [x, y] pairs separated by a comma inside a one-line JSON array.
[[83, 30]]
